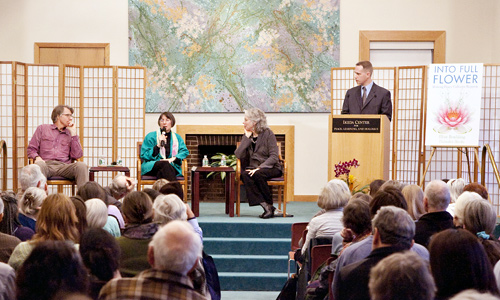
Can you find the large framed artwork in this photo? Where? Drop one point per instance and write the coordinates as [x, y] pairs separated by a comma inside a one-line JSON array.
[[226, 56]]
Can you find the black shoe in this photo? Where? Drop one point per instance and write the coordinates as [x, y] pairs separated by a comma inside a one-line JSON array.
[[268, 213]]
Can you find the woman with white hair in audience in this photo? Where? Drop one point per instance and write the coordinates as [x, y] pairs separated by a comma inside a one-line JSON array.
[[97, 217], [460, 203], [456, 189], [170, 207], [332, 199], [29, 206], [414, 197]]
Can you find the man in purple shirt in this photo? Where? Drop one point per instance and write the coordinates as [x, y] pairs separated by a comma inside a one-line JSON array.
[[54, 147]]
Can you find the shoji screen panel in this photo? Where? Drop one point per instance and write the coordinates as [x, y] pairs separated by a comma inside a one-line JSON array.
[[98, 117], [7, 89], [71, 91], [342, 80], [131, 83], [21, 115], [407, 119]]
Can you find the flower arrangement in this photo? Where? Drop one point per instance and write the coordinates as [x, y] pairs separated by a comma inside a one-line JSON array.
[[342, 170]]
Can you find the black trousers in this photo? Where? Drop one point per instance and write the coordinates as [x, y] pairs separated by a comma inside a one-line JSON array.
[[256, 186], [163, 169]]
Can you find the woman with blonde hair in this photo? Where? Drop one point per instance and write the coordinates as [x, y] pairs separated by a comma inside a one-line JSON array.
[[29, 206], [57, 221], [414, 197]]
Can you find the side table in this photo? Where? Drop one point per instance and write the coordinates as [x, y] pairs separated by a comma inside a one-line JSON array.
[[93, 170], [195, 187]]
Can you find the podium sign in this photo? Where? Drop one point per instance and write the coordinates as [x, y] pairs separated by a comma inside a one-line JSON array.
[[365, 138]]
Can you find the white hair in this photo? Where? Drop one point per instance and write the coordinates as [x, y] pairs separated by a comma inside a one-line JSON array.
[[97, 213], [30, 176], [456, 188], [335, 194], [169, 207], [32, 200], [460, 204], [176, 247]]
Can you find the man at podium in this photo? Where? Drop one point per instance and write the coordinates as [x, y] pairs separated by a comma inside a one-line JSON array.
[[367, 97]]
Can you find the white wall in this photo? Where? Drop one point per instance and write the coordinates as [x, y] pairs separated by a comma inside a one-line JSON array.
[[472, 28]]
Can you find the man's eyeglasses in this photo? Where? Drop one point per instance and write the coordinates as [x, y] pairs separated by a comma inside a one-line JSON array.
[[67, 115]]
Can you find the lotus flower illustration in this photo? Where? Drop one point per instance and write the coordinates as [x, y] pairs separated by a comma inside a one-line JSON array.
[[453, 117]]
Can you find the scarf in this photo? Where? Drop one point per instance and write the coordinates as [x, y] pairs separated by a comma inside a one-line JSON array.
[[175, 144]]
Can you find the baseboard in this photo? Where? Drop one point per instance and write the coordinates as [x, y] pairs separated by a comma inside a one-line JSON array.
[[305, 198]]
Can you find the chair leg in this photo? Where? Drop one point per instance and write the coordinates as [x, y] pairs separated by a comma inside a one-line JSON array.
[[73, 190], [279, 197], [284, 201], [59, 189], [238, 186]]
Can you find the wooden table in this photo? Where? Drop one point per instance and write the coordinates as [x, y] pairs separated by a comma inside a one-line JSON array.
[[108, 169], [195, 187]]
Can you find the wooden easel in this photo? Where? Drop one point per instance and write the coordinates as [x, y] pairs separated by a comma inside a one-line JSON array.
[[476, 161]]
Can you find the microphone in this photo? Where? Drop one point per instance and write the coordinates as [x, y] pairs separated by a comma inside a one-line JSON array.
[[164, 133]]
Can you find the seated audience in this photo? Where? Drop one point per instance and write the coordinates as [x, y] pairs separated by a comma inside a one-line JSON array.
[[414, 197], [173, 252], [474, 295], [31, 176], [92, 190], [7, 242], [402, 276], [480, 220], [477, 188], [331, 200], [10, 223], [29, 206], [52, 268], [159, 184], [392, 183], [462, 200], [456, 189], [375, 186], [173, 187], [365, 197], [151, 193], [458, 262], [119, 188], [7, 282], [56, 222], [101, 255], [137, 210], [81, 213], [97, 217], [436, 201], [393, 231]]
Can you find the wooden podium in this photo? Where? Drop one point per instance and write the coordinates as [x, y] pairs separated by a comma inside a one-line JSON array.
[[365, 138]]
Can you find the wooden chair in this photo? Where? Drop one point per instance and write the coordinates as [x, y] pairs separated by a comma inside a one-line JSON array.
[[149, 180], [320, 254], [297, 232], [60, 181], [280, 182]]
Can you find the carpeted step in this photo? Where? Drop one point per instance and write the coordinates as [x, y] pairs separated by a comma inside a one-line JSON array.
[[259, 229], [236, 281], [246, 246], [251, 263]]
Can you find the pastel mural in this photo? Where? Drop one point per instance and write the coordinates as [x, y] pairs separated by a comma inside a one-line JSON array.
[[226, 56]]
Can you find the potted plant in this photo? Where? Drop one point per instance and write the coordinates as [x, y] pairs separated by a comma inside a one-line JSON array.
[[230, 162]]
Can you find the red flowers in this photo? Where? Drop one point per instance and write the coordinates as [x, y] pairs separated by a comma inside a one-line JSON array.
[[345, 167]]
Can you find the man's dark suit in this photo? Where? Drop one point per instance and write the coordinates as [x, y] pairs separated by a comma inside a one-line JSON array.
[[378, 102]]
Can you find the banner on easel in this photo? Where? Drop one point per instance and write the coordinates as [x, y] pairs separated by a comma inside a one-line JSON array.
[[453, 104]]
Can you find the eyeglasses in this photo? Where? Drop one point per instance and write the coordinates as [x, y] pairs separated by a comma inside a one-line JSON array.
[[67, 115]]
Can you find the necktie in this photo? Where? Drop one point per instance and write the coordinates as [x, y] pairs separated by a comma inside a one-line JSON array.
[[364, 94]]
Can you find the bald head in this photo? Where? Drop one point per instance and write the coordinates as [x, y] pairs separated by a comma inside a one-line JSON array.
[[436, 196]]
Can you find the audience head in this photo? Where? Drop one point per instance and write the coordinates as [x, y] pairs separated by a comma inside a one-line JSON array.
[[168, 208], [91, 190], [257, 117], [334, 194], [32, 176], [31, 201], [375, 186], [97, 213], [100, 253], [479, 216], [137, 208], [456, 187], [57, 220], [9, 222], [394, 227], [388, 196], [81, 213], [460, 203], [392, 183], [151, 193], [474, 295], [121, 185], [52, 267], [477, 188], [436, 196], [357, 216], [159, 184], [459, 262], [414, 197], [402, 275], [173, 187], [175, 247], [365, 197]]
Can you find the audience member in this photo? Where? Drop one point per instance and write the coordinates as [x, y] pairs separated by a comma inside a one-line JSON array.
[[101, 255], [29, 206], [31, 176], [10, 223], [56, 222], [436, 201], [477, 188], [151, 193], [414, 197], [365, 197], [92, 190], [119, 188], [332, 199], [375, 186], [173, 187], [392, 183], [173, 252], [402, 276], [55, 146], [456, 189], [7, 282], [139, 229], [97, 217], [458, 262], [158, 184], [81, 213], [393, 231], [474, 295], [462, 200], [52, 267], [357, 225], [7, 241], [480, 220]]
